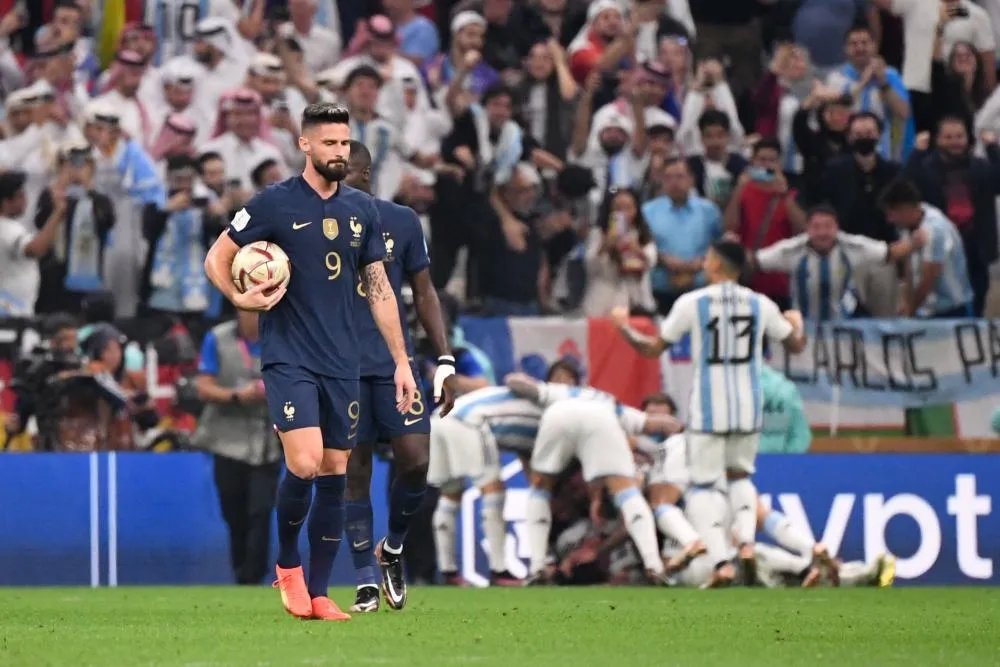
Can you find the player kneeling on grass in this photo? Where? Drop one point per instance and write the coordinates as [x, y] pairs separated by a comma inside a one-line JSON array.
[[466, 444], [591, 428], [408, 433], [309, 342]]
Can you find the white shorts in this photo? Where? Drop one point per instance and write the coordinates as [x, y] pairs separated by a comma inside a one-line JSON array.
[[585, 430], [710, 455], [670, 465], [459, 451]]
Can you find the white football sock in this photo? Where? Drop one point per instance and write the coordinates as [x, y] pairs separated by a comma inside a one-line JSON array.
[[743, 503], [856, 573], [444, 522], [641, 527], [672, 523], [707, 509], [538, 516], [786, 535], [495, 531], [781, 561]]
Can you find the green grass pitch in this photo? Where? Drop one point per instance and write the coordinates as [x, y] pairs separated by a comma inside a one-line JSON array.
[[606, 627]]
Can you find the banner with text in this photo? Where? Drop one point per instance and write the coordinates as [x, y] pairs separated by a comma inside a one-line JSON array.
[[898, 363]]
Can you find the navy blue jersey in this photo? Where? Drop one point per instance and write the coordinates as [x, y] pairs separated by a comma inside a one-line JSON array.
[[406, 254], [328, 242]]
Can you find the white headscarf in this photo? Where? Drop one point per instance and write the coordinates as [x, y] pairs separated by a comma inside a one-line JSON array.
[[583, 37]]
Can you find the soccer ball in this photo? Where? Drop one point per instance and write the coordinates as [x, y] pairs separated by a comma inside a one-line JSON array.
[[260, 262]]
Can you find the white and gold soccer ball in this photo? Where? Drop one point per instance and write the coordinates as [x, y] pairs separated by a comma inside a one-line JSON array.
[[260, 262]]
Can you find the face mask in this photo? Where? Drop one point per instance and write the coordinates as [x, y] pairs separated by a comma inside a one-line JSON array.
[[76, 192], [864, 146], [761, 174]]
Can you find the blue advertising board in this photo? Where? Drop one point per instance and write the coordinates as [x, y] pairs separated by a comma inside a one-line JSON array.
[[129, 519]]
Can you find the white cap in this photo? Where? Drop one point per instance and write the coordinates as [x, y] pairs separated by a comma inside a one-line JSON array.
[[178, 71], [101, 111], [465, 19], [266, 64]]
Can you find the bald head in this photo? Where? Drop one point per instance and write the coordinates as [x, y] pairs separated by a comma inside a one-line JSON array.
[[359, 167]]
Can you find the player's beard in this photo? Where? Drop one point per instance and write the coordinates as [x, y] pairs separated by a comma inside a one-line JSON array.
[[333, 171]]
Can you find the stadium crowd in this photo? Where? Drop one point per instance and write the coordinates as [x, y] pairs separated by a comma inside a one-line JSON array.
[[565, 157]]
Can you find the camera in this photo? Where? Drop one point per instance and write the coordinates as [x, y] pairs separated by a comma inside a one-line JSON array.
[[39, 388]]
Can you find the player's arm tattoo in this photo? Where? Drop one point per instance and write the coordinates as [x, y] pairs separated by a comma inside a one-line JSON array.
[[647, 346], [376, 283]]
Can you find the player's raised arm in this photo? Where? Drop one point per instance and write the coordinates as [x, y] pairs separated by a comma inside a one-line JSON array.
[[647, 346]]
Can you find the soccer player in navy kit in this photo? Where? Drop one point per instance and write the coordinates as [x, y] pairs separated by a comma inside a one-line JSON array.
[[409, 433], [309, 342]]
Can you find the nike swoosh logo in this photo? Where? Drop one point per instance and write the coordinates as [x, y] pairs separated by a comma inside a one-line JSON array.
[[409, 513], [296, 523], [411, 422], [358, 546], [296, 226]]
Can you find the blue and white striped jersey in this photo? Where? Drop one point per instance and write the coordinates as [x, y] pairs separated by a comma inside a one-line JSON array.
[[944, 246], [820, 283], [727, 323], [514, 421]]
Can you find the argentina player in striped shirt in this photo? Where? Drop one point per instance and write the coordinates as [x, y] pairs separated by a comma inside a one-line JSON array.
[[727, 324], [936, 283], [822, 263]]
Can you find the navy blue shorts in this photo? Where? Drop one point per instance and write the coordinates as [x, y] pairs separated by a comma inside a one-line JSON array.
[[380, 421], [299, 398]]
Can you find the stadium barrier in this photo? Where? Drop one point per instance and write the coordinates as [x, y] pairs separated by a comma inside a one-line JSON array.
[[129, 518]]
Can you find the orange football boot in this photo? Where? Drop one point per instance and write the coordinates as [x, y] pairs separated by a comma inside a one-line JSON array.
[[325, 609], [291, 583]]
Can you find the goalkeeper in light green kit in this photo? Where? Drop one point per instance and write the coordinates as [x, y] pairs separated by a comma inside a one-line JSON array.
[[786, 429]]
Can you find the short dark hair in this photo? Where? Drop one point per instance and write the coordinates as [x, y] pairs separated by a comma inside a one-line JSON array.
[[673, 160], [257, 175], [952, 118], [859, 27], [714, 118], [360, 154], [498, 89], [324, 113], [181, 162], [363, 72], [859, 115], [822, 209], [565, 364], [732, 255], [900, 192], [206, 157], [660, 399], [56, 322], [767, 143]]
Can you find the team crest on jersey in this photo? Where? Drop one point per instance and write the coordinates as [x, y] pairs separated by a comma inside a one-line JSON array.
[[389, 245], [331, 229], [289, 410], [356, 230]]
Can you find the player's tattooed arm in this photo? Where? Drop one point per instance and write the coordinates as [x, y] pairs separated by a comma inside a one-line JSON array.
[[385, 312], [523, 386], [376, 283]]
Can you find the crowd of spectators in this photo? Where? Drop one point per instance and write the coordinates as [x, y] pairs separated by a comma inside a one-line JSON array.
[[563, 156]]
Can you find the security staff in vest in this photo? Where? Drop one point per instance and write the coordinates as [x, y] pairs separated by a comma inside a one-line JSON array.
[[235, 428]]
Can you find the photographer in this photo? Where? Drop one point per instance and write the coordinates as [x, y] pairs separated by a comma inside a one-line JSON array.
[[33, 375], [235, 428]]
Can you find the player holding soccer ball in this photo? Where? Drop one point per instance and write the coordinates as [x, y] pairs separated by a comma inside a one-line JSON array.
[[309, 342]]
